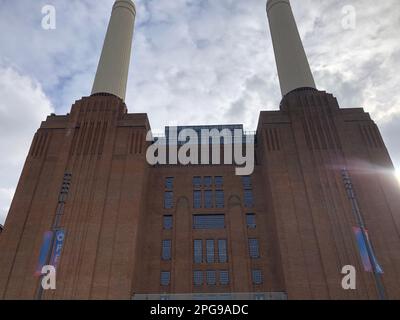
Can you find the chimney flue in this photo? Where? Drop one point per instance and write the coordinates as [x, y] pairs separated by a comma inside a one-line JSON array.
[[293, 69], [112, 71]]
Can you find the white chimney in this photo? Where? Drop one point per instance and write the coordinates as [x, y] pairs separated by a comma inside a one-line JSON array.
[[112, 71], [293, 69]]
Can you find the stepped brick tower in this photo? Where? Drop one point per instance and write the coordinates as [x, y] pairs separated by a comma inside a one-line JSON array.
[[116, 227]]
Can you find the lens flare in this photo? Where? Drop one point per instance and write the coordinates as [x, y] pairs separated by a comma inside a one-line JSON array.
[[398, 175]]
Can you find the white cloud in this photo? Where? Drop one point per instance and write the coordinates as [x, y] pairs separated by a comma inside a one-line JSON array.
[[205, 62], [55, 57], [359, 66], [23, 105]]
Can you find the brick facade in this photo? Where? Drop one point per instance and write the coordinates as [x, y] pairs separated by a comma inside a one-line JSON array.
[[113, 215]]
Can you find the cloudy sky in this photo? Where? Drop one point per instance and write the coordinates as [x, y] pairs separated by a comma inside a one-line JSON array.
[[193, 62]]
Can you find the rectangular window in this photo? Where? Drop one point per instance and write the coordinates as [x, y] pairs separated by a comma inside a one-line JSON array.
[[224, 277], [219, 182], [198, 251], [168, 199], [167, 222], [196, 182], [169, 183], [210, 251], [248, 198], [222, 252], [165, 278], [207, 182], [211, 277], [251, 220], [208, 221], [246, 181], [257, 276], [166, 250], [254, 248], [208, 199], [219, 198], [198, 278], [196, 199], [259, 296]]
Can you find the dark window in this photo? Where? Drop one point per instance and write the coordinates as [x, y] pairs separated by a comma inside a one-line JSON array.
[[219, 182], [208, 199], [254, 248], [248, 198], [224, 277], [166, 250], [168, 199], [196, 182], [211, 277], [165, 278], [251, 220], [167, 222], [196, 199], [198, 277], [219, 198], [210, 251], [169, 183], [198, 251], [209, 221], [222, 252], [246, 181], [207, 182], [257, 276]]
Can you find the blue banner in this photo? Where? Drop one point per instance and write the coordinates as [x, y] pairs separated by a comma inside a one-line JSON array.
[[362, 246], [44, 251], [58, 245]]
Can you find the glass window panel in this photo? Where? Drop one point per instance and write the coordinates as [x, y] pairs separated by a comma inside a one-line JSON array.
[[168, 199], [167, 222], [210, 251], [196, 199], [207, 182], [257, 276], [222, 252], [254, 248], [166, 250], [209, 221], [251, 220], [208, 199], [198, 251], [211, 277], [219, 199], [198, 277], [219, 182], [169, 183], [165, 278], [248, 198], [246, 181], [224, 277], [196, 182]]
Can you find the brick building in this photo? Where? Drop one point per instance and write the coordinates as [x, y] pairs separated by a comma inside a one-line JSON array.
[[121, 228]]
